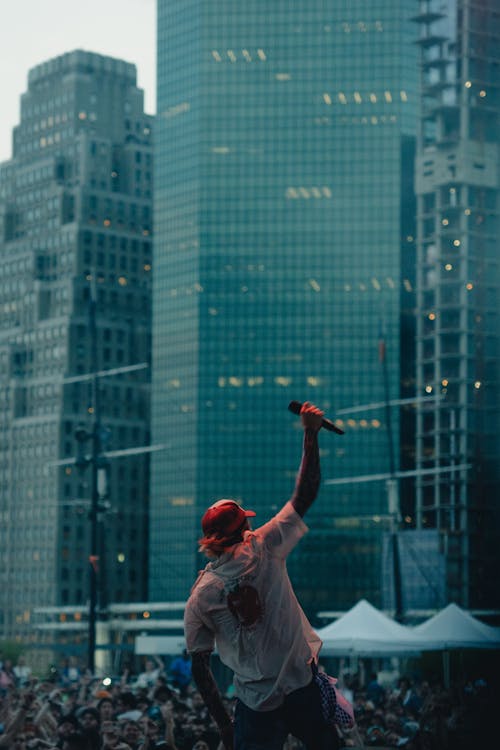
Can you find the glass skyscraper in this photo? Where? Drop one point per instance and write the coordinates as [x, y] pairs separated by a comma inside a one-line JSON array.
[[283, 235]]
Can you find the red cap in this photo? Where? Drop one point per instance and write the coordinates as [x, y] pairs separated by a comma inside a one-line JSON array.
[[224, 518]]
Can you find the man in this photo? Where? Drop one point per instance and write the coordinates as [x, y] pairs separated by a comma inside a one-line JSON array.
[[244, 603]]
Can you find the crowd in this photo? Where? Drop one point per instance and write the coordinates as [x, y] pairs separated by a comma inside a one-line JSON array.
[[160, 708]]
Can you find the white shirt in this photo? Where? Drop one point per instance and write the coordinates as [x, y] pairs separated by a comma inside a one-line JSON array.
[[244, 603]]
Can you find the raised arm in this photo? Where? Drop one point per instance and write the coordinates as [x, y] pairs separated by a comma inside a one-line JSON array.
[[308, 478], [204, 679]]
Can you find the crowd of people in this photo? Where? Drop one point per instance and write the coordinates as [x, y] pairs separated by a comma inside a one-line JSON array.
[[159, 707]]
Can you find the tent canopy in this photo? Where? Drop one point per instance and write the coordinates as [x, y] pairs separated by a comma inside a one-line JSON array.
[[364, 630], [453, 627]]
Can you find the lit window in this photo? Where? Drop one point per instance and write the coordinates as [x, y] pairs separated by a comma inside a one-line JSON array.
[[374, 120], [231, 55], [283, 76], [314, 285], [82, 115], [147, 267], [235, 382], [313, 381], [120, 557], [468, 84], [404, 96], [469, 286], [326, 191], [252, 382], [106, 223], [220, 150], [304, 193], [261, 54], [342, 97], [432, 316], [407, 285], [467, 212], [291, 193], [122, 281], [327, 98], [221, 382], [216, 56], [388, 96], [456, 243], [376, 284], [445, 222], [428, 388], [448, 267], [477, 385], [246, 55], [390, 282], [482, 93], [357, 97], [444, 382], [282, 381], [373, 98], [213, 311], [375, 423]]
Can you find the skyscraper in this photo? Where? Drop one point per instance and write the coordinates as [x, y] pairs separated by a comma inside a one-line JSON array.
[[283, 225], [75, 215], [458, 345]]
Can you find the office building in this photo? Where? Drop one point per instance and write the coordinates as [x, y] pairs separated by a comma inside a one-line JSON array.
[[75, 225], [458, 293], [283, 235]]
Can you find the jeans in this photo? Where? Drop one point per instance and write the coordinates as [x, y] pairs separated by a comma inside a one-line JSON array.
[[300, 715]]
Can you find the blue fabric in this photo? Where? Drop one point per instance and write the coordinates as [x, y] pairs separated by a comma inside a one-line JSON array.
[[300, 715]]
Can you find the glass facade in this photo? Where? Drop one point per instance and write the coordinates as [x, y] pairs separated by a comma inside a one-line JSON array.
[[281, 239]]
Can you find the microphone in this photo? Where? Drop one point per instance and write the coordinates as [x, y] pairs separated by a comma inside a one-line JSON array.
[[296, 406]]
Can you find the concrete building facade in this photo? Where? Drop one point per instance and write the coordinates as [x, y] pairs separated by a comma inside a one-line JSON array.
[[75, 225], [458, 292]]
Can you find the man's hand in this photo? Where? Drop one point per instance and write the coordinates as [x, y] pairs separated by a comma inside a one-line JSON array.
[[311, 416]]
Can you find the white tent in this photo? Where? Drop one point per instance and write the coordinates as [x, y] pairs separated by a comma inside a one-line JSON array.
[[364, 630], [454, 628]]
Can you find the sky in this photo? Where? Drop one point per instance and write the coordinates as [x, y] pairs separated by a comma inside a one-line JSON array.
[[33, 31]]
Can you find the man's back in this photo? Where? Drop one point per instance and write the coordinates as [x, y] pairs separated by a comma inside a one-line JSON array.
[[246, 600]]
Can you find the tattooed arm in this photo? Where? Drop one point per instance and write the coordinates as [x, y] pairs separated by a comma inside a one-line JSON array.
[[204, 679], [308, 479]]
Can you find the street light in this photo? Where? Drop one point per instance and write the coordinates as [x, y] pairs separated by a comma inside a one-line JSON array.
[[98, 466]]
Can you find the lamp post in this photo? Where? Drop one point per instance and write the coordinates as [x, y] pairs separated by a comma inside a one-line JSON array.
[[97, 463]]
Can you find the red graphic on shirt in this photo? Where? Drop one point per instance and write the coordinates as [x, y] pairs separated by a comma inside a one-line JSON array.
[[244, 604]]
